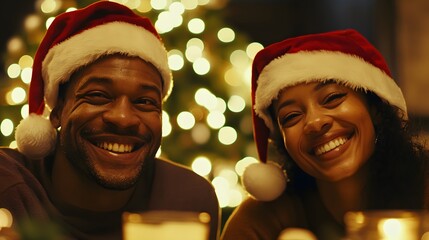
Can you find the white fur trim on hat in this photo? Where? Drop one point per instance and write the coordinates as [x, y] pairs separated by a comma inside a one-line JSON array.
[[35, 136], [264, 181], [308, 66], [84, 48]]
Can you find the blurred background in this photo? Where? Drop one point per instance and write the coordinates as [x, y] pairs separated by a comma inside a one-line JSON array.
[[211, 43]]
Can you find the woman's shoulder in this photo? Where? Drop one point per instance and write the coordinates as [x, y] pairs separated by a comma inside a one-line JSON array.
[[255, 219]]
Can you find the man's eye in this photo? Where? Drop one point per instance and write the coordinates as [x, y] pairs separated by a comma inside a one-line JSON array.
[[97, 98], [148, 104], [146, 101]]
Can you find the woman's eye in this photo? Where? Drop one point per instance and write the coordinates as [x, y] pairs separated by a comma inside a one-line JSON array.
[[289, 119], [334, 98]]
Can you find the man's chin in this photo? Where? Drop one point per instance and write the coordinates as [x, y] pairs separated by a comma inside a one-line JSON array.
[[116, 184]]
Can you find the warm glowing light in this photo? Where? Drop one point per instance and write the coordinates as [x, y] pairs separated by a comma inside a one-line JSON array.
[[6, 127], [195, 42], [239, 59], [391, 228], [144, 7], [71, 9], [226, 35], [205, 98], [220, 105], [15, 45], [202, 166], [158, 4], [200, 133], [253, 48], [13, 145], [185, 120], [24, 111], [48, 6], [233, 77], [133, 4], [177, 8], [13, 70], [227, 135], [203, 2], [216, 119], [6, 218], [25, 61], [190, 4], [32, 22], [230, 176], [26, 75], [194, 49], [243, 163], [193, 53], [18, 95], [49, 22], [164, 23], [166, 125], [235, 198], [175, 60], [158, 152], [196, 25], [201, 66], [222, 188], [236, 103]]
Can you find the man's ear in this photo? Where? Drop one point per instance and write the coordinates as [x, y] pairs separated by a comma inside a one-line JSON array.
[[55, 115]]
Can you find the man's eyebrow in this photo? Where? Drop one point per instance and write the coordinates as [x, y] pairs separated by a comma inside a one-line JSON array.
[[92, 80]]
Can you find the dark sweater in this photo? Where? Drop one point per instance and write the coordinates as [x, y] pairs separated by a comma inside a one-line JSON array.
[[25, 190]]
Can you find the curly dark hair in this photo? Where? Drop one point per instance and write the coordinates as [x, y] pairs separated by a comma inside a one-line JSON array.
[[398, 164]]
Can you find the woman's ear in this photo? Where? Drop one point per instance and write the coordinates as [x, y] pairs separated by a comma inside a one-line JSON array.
[[375, 114]]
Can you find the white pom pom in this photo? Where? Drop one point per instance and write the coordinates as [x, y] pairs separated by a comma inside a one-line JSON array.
[[264, 181], [35, 136]]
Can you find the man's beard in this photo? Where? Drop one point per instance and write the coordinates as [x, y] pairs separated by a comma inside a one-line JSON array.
[[80, 160]]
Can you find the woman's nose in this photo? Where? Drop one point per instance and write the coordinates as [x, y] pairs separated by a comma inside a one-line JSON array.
[[122, 114], [317, 121]]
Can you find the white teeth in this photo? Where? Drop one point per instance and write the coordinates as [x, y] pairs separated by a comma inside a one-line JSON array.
[[330, 145], [116, 147]]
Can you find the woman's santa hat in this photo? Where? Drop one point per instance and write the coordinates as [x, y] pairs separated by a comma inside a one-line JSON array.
[[344, 56], [76, 39]]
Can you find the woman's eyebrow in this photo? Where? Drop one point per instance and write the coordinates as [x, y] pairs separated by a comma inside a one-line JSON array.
[[324, 84]]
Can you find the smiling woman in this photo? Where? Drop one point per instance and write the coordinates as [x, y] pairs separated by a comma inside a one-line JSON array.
[[330, 107]]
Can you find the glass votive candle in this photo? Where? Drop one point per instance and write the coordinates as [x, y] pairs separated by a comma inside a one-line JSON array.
[[386, 225]]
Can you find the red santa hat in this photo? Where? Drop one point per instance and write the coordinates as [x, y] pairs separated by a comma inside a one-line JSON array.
[[76, 39], [344, 56]]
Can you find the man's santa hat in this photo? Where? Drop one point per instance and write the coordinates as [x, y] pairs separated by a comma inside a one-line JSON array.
[[344, 56], [76, 39]]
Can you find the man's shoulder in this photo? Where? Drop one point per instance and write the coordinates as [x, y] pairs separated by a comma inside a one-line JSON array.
[[177, 171], [12, 168], [10, 160], [177, 176]]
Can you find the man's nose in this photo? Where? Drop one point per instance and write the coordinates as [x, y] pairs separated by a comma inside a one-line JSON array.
[[122, 114]]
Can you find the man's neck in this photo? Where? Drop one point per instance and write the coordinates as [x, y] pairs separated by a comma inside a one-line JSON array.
[[77, 189]]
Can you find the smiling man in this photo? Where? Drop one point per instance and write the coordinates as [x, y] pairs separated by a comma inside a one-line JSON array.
[[101, 76]]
